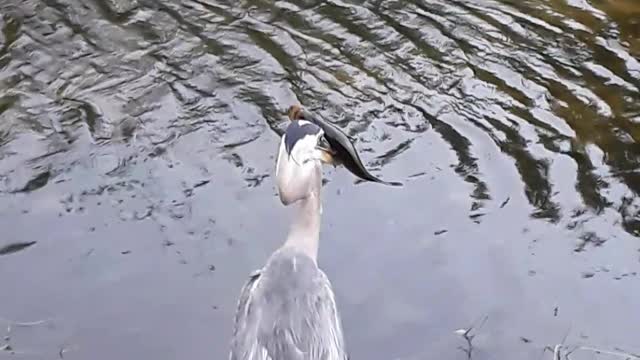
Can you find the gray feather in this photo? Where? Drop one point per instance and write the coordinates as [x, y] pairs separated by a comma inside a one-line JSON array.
[[287, 311]]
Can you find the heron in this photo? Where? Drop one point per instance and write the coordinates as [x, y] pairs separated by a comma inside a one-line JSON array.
[[287, 310]]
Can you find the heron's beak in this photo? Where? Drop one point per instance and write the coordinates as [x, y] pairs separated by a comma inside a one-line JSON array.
[[326, 157], [326, 153]]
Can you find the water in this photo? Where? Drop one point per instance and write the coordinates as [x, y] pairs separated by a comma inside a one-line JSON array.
[[137, 144]]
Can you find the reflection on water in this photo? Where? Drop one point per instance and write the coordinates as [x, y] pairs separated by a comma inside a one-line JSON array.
[[147, 129]]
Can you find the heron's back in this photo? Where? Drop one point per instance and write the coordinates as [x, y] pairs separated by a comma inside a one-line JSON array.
[[287, 311]]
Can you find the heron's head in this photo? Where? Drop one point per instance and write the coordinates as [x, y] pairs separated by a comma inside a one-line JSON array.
[[295, 112], [299, 165]]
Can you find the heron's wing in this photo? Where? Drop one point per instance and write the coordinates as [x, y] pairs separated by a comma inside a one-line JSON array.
[[288, 312], [316, 330], [244, 344], [299, 316]]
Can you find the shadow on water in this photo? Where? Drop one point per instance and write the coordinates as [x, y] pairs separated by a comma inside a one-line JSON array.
[[137, 144]]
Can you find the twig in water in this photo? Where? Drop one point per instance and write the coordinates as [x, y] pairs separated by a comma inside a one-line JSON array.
[[626, 355], [26, 323], [465, 333], [608, 352], [556, 352], [11, 323], [64, 349]]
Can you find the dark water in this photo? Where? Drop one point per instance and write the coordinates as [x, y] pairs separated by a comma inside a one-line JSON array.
[[137, 144]]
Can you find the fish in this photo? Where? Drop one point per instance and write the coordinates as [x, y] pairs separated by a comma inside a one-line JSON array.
[[340, 146]]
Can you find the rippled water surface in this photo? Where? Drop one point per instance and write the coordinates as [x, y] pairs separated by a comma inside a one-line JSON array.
[[137, 143]]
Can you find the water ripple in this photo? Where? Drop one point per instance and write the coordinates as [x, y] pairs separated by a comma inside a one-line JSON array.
[[139, 104]]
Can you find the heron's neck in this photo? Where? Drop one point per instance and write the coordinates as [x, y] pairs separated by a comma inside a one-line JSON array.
[[304, 233]]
